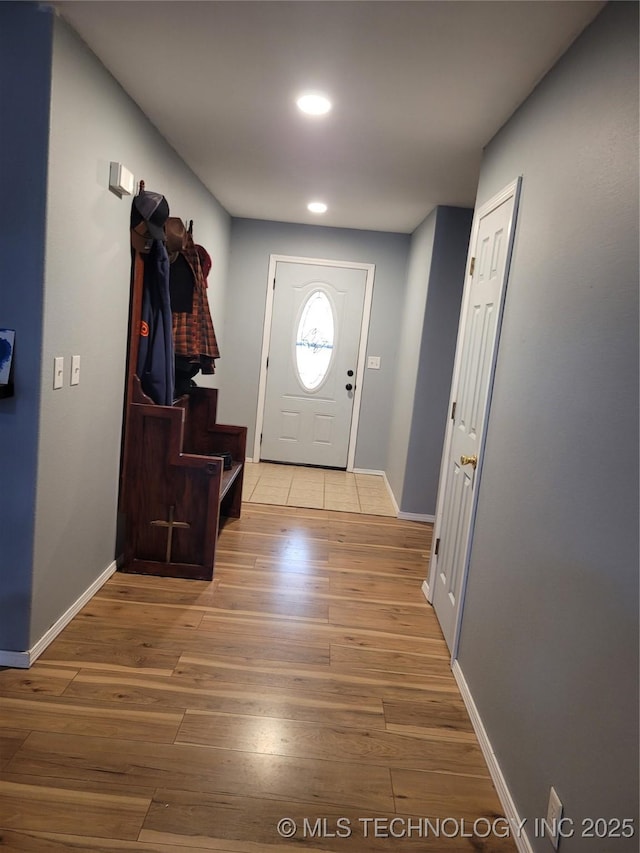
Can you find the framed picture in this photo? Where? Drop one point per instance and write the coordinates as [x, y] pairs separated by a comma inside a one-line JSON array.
[[7, 340]]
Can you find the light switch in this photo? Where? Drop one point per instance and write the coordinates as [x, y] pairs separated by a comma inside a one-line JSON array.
[[75, 370], [58, 372], [373, 362]]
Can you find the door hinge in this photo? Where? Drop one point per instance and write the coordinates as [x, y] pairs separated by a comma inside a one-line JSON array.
[[472, 266], [437, 548], [260, 438], [274, 282], [453, 411], [267, 362]]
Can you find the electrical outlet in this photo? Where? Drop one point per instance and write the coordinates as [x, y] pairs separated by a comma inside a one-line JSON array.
[[373, 362], [554, 816], [58, 372]]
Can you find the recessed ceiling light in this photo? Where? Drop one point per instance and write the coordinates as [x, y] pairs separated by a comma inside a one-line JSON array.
[[314, 103], [317, 207]]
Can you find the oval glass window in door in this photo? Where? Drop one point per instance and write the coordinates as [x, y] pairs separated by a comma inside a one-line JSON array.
[[314, 340]]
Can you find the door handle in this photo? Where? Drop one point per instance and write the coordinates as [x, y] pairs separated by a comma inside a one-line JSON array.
[[469, 460], [349, 386]]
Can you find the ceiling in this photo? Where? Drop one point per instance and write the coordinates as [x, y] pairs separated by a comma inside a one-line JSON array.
[[418, 89]]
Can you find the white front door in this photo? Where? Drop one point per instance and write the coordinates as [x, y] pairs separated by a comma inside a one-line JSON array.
[[313, 363], [491, 242]]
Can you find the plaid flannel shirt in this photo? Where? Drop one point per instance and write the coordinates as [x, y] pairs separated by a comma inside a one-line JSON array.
[[193, 334]]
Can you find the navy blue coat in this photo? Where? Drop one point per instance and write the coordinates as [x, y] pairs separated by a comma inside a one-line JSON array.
[[155, 355]]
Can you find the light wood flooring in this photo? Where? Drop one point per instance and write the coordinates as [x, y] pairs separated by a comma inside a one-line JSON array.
[[308, 681]]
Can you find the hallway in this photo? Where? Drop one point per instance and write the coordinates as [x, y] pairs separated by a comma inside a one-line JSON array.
[[308, 681]]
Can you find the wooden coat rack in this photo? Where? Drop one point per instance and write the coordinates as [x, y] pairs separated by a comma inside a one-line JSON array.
[[174, 489]]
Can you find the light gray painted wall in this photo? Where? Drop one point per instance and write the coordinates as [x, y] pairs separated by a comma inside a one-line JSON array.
[[252, 242], [409, 339], [25, 55], [436, 348], [550, 629], [86, 303]]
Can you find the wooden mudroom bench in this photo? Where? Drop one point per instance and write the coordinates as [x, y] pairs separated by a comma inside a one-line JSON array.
[[175, 490]]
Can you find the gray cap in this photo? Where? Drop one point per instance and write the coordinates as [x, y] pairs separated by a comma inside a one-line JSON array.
[[152, 208]]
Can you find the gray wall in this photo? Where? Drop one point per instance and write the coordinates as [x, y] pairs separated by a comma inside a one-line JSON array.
[[25, 55], [85, 310], [549, 641], [436, 347], [252, 241], [409, 339]]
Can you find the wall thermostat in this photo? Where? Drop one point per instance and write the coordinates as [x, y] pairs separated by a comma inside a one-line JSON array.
[[120, 179]]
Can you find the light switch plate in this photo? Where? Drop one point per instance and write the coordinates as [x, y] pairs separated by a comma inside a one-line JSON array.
[[554, 816], [75, 370], [373, 362], [58, 372]]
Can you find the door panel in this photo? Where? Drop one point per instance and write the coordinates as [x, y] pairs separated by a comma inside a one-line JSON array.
[[473, 377], [308, 421]]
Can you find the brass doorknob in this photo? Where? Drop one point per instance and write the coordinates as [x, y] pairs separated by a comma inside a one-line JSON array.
[[469, 460]]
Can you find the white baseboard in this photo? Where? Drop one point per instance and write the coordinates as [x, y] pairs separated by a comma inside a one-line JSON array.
[[504, 795], [391, 495], [15, 660], [426, 591], [23, 660], [405, 516], [382, 474], [417, 516]]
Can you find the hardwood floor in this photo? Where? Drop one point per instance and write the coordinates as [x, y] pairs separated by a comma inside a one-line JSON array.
[[308, 681]]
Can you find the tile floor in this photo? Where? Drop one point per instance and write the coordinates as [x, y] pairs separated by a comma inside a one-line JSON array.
[[316, 488]]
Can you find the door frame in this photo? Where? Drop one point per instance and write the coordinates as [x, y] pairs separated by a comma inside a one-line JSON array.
[[369, 269], [428, 587]]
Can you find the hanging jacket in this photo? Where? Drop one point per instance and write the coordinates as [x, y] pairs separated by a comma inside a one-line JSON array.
[[194, 337], [155, 366]]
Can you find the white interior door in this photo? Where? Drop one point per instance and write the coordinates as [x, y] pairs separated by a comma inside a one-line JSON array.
[[313, 361], [491, 241]]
